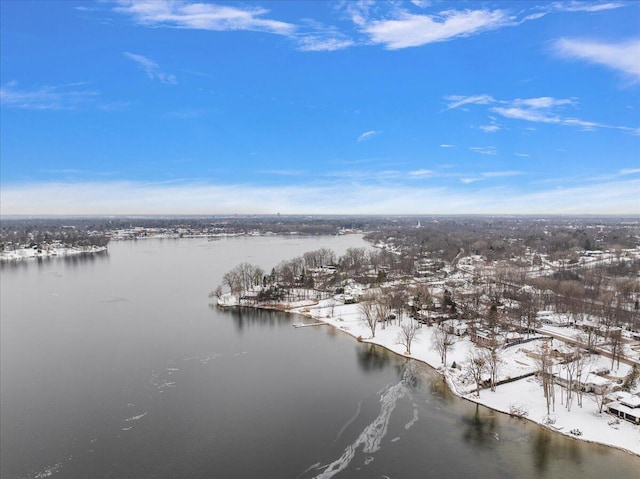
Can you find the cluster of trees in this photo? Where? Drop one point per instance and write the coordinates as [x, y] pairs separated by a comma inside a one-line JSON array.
[[33, 235], [499, 238]]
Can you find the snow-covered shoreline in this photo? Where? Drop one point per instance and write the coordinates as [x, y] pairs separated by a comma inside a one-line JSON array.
[[524, 395], [52, 252]]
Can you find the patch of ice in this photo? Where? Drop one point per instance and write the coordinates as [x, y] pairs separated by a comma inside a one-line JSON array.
[[348, 423], [49, 471], [135, 418], [371, 438], [414, 419]]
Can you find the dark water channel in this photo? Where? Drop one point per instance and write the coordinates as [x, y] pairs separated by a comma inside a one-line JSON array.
[[116, 366]]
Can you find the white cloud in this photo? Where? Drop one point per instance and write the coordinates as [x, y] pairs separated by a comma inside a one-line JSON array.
[[421, 173], [500, 174], [622, 57], [484, 150], [525, 114], [368, 134], [543, 109], [467, 181], [445, 145], [311, 43], [542, 102], [410, 30], [523, 155], [629, 171], [317, 37], [282, 172], [151, 68], [590, 7], [97, 198], [202, 16], [62, 97], [456, 101], [489, 174]]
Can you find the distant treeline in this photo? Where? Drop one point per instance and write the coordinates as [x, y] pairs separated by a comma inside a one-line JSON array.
[[494, 237]]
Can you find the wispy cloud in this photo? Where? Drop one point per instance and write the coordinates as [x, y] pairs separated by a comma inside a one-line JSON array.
[[622, 57], [368, 134], [456, 101], [492, 127], [62, 97], [446, 145], [629, 171], [202, 16], [500, 174], [489, 174], [282, 172], [543, 109], [606, 197], [590, 7], [185, 114], [319, 43], [151, 68], [484, 150], [523, 155], [468, 180], [314, 36], [421, 173]]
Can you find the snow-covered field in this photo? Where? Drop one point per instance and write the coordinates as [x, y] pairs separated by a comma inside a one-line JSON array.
[[524, 394]]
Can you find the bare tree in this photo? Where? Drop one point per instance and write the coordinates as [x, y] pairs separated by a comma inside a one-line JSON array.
[[233, 281], [545, 371], [600, 394], [477, 366], [216, 292], [572, 369], [442, 341], [382, 310], [587, 339], [615, 341], [493, 362], [397, 300], [408, 331], [368, 314]]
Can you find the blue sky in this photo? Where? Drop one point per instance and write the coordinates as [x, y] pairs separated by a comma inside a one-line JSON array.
[[423, 107]]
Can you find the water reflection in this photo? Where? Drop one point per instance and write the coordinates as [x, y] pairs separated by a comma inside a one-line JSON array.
[[540, 444], [245, 317], [372, 357], [480, 427], [439, 389], [41, 262], [548, 448]]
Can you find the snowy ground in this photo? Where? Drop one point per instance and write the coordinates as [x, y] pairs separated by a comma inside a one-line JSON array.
[[525, 394]]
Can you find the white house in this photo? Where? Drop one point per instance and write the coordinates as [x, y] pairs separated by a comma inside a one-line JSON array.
[[626, 406]]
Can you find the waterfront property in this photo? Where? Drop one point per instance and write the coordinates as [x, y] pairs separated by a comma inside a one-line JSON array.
[[626, 406]]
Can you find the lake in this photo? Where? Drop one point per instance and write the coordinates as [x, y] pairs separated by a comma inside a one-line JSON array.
[[117, 366]]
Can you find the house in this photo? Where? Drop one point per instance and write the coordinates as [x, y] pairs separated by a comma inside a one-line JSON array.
[[626, 406], [554, 319], [484, 337], [592, 383], [455, 326]]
